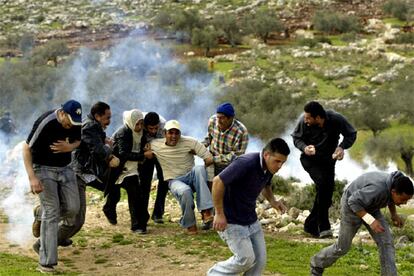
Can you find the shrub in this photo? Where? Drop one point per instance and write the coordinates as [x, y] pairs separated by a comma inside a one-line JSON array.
[[397, 8], [405, 38], [329, 22], [197, 66], [282, 186], [304, 198]]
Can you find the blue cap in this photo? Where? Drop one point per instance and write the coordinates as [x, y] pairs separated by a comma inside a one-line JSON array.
[[74, 111], [226, 108]]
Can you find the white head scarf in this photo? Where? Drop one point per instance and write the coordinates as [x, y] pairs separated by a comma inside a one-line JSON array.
[[131, 118]]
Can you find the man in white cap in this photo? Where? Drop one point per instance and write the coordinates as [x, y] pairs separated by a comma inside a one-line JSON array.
[[175, 155], [47, 155]]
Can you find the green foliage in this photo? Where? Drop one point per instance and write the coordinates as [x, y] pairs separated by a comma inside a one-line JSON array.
[[262, 23], [397, 8], [282, 186], [49, 52], [205, 37], [313, 42], [228, 27], [304, 198], [332, 22], [254, 101], [404, 38], [184, 22], [197, 66]]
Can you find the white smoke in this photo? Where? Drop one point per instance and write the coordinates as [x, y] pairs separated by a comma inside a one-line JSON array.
[[15, 200]]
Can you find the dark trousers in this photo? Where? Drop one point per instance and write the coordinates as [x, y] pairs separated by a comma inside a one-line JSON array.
[[136, 202], [146, 171], [322, 172]]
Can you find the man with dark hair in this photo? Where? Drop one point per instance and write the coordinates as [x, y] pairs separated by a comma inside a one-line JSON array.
[[175, 154], [361, 203], [226, 137], [91, 161], [235, 191], [154, 128], [47, 155], [317, 136]]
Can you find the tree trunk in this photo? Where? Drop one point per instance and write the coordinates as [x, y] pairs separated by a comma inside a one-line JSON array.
[[407, 157]]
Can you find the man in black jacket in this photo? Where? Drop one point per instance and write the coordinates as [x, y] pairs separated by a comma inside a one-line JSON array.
[[317, 136], [91, 162]]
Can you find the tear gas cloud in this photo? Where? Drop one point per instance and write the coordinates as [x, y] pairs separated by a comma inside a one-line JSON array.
[[136, 73]]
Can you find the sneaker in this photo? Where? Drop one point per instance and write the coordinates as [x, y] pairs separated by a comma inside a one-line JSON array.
[[316, 271], [36, 247], [45, 268], [192, 230], [36, 223], [65, 242], [140, 231], [326, 234], [158, 220]]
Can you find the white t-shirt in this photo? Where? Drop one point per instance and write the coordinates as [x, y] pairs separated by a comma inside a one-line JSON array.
[[177, 160]]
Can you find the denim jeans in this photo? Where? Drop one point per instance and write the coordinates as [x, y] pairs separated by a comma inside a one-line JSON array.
[[249, 251], [350, 223], [183, 189], [68, 230], [59, 199]]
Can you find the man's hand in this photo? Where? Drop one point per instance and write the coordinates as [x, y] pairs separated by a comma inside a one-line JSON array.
[[149, 154], [310, 150], [397, 220], [35, 185], [377, 227], [147, 147], [219, 222], [109, 141], [338, 154], [278, 205], [61, 146], [114, 162]]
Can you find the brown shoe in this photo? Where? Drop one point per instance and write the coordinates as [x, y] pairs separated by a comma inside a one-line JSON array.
[[36, 223], [192, 230]]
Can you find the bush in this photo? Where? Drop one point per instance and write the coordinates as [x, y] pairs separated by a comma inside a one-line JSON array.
[[397, 8], [197, 66], [304, 198], [405, 38], [312, 42], [329, 22], [282, 186]]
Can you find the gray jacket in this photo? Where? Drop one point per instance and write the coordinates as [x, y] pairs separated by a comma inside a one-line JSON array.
[[371, 191]]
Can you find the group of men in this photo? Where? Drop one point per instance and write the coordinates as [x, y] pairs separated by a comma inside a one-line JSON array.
[[147, 141]]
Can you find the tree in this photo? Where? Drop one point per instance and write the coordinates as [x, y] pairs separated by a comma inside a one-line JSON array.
[[262, 23], [206, 38], [49, 52], [371, 111], [228, 27], [184, 22], [393, 144]]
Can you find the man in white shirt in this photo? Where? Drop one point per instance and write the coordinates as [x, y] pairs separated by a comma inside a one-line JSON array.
[[175, 153]]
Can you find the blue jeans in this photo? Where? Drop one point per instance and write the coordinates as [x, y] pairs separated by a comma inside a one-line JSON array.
[[350, 223], [59, 200], [183, 188], [249, 251]]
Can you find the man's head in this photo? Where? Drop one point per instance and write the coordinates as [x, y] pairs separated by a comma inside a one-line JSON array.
[[315, 114], [172, 132], [401, 190], [225, 115], [101, 112], [70, 114], [275, 154], [152, 123]]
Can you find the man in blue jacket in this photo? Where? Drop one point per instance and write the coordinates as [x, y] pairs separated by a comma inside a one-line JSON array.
[[361, 203]]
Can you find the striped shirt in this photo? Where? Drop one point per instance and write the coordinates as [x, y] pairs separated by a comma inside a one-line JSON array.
[[226, 145]]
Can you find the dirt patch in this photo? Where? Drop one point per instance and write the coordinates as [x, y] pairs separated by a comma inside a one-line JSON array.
[[94, 251]]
